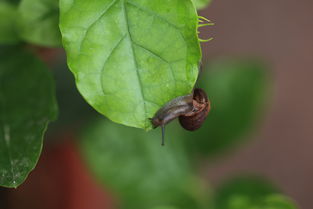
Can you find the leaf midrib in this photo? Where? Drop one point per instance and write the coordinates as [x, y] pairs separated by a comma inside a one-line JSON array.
[[135, 60], [6, 143]]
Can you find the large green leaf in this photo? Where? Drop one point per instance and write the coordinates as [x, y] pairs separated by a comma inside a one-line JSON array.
[[38, 22], [201, 4], [237, 91], [130, 57], [140, 171], [27, 104], [250, 193], [8, 28]]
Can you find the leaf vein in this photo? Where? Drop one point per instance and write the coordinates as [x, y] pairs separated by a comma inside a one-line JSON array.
[[154, 14], [161, 58], [102, 68], [93, 23], [135, 60]]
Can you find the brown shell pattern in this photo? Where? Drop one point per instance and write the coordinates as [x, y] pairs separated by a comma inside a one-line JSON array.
[[201, 108]]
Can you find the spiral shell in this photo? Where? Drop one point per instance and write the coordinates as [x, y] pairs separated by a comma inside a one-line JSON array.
[[201, 108]]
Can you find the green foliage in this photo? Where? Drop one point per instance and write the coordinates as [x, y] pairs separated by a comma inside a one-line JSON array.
[[201, 4], [164, 207], [137, 168], [249, 188], [250, 193], [131, 57], [12, 2], [8, 28], [38, 23], [278, 202], [34, 21], [27, 104], [237, 92], [268, 202]]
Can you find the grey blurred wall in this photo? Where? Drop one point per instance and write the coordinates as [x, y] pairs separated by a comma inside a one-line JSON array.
[[280, 32]]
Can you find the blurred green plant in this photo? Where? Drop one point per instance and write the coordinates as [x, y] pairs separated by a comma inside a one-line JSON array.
[[201, 4], [27, 105], [8, 29], [250, 193], [141, 172], [164, 207], [42, 27], [248, 189]]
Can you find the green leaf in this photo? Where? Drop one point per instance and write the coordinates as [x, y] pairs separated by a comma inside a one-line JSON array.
[[250, 193], [242, 191], [269, 202], [164, 207], [39, 20], [27, 104], [237, 91], [130, 57], [201, 4], [134, 165], [8, 28], [278, 202]]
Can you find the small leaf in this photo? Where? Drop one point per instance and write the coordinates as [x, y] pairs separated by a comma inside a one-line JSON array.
[[278, 202], [39, 22], [242, 191], [8, 27], [137, 168], [201, 4], [268, 202], [27, 104], [130, 57], [237, 91], [164, 207], [250, 193]]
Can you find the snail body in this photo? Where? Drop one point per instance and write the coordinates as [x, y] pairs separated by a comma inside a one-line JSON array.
[[173, 109], [170, 111], [191, 109]]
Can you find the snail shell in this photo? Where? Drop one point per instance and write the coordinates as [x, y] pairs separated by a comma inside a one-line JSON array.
[[201, 108]]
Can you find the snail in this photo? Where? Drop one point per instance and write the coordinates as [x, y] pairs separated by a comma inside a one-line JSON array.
[[191, 109]]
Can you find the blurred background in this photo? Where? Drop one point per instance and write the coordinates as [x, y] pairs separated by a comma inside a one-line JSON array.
[[280, 33], [256, 72]]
